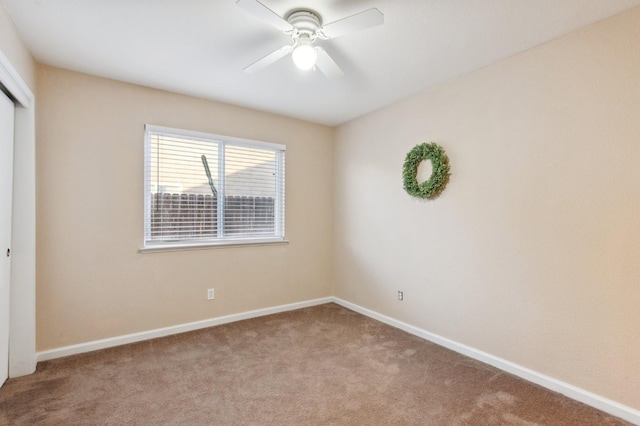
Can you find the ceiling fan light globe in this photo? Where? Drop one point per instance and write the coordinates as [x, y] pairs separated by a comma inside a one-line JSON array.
[[304, 56]]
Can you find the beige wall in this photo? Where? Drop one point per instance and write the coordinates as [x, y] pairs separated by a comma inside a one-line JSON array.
[[14, 48], [532, 253], [92, 283]]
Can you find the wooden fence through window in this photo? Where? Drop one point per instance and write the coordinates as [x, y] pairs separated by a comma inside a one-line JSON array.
[[195, 216]]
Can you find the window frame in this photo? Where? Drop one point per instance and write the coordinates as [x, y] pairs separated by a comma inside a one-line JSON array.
[[222, 141]]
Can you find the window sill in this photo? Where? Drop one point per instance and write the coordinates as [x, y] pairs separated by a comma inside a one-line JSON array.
[[210, 245]]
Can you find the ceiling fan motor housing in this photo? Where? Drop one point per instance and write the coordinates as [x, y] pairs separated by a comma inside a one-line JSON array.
[[305, 22]]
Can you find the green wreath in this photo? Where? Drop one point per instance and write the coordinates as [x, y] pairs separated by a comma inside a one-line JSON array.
[[440, 170]]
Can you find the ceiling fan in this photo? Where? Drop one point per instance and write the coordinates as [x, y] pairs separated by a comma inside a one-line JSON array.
[[305, 27]]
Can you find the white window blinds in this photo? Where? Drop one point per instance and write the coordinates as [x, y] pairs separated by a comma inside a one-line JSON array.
[[208, 189]]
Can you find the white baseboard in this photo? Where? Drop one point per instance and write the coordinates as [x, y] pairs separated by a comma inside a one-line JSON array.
[[176, 329], [612, 407]]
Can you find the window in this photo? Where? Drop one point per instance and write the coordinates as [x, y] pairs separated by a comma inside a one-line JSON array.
[[203, 189]]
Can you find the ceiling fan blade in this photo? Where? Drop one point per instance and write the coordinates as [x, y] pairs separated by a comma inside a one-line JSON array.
[[327, 65], [269, 59], [261, 11], [359, 21]]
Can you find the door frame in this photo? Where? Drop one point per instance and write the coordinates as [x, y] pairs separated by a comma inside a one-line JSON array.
[[22, 330]]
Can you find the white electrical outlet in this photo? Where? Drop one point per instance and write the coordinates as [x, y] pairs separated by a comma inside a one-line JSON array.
[[210, 294], [400, 295]]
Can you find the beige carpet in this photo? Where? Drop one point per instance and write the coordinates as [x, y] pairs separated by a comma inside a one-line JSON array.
[[323, 365]]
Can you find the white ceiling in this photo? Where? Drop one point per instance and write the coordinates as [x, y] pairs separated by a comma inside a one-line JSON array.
[[199, 47]]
